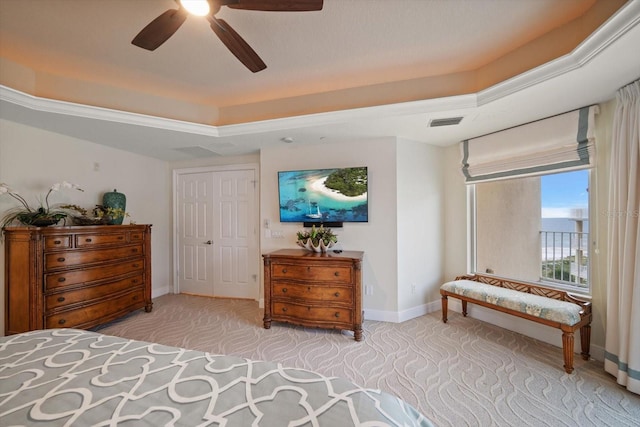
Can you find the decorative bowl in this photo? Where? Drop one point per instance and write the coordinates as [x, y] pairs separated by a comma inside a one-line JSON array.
[[320, 247]]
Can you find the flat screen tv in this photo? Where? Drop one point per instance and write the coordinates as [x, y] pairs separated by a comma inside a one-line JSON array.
[[324, 195]]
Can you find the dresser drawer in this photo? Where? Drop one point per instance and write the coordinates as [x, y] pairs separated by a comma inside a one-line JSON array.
[[71, 258], [313, 293], [332, 274], [72, 277], [299, 312], [57, 242], [93, 312], [91, 293], [88, 240]]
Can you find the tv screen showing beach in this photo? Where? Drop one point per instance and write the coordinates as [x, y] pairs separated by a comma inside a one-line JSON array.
[[324, 195]]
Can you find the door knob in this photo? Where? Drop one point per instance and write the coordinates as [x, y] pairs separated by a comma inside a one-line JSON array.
[[208, 242]]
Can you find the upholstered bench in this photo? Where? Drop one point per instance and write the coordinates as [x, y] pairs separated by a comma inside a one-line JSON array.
[[539, 304]]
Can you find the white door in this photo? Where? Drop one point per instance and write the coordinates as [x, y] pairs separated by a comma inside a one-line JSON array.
[[234, 237], [195, 233], [217, 233]]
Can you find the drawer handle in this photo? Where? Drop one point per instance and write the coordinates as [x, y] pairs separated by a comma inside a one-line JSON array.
[[60, 299], [284, 290], [57, 242], [284, 270], [337, 314], [337, 273], [135, 298], [120, 237], [60, 259], [337, 294], [284, 308], [61, 322], [134, 250], [136, 265], [88, 240], [134, 281], [61, 279]]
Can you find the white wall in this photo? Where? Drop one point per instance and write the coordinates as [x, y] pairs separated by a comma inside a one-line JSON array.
[[31, 160], [377, 238], [420, 197]]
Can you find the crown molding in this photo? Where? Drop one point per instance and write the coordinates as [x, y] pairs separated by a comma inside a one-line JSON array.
[[343, 116], [55, 106], [614, 28], [48, 105]]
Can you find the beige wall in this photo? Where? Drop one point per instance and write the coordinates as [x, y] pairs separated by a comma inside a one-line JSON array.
[[456, 211], [31, 160], [420, 195], [509, 211], [599, 220]]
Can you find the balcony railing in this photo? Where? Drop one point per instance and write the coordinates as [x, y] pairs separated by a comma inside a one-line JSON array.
[[565, 257]]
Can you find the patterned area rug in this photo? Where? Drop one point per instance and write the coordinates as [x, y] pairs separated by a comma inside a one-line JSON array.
[[463, 373]]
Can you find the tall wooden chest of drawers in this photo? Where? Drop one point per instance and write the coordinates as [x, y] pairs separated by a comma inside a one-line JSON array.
[[314, 289], [75, 277]]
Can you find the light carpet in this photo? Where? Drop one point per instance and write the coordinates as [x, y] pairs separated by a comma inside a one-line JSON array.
[[462, 373]]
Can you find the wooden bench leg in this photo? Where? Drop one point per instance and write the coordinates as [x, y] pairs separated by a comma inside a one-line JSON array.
[[444, 308], [567, 350], [585, 341], [464, 308]]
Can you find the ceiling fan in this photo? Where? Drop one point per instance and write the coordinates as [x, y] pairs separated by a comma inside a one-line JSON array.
[[160, 29]]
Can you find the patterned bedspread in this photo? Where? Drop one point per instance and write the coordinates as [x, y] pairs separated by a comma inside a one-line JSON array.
[[69, 377]]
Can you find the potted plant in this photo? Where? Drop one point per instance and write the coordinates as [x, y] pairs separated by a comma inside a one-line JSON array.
[[318, 239], [42, 216]]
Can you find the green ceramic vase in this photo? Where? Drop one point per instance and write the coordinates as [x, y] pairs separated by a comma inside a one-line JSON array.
[[115, 200]]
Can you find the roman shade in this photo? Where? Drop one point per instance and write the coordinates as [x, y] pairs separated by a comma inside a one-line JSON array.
[[555, 144]]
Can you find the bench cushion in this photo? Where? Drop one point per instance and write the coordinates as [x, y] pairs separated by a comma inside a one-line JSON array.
[[563, 312]]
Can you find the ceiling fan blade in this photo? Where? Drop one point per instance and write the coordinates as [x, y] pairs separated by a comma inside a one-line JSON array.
[[160, 29], [237, 45], [277, 5]]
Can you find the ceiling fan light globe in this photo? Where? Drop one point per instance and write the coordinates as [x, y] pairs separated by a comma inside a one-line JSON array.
[[196, 7]]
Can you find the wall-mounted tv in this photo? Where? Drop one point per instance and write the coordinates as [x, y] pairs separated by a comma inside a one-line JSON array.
[[324, 195]]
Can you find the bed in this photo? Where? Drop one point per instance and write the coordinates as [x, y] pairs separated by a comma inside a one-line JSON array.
[[71, 377]]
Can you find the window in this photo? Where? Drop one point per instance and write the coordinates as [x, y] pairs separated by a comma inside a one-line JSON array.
[[564, 235], [535, 229]]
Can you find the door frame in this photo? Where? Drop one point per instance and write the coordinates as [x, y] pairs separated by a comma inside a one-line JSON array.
[[174, 220]]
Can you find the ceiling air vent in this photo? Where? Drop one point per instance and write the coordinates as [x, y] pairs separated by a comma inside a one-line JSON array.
[[449, 121]]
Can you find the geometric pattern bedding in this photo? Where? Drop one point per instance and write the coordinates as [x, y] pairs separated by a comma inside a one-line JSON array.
[[70, 377]]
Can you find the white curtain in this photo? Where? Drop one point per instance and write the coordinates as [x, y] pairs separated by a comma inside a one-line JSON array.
[[622, 355], [559, 143]]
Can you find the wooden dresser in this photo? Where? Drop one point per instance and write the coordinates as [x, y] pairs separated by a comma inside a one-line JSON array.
[[75, 277], [321, 290]]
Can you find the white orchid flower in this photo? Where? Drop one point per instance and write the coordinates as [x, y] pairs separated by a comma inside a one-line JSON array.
[[66, 184], [5, 189]]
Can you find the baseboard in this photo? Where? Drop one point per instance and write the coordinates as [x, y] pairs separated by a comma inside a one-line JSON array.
[[400, 316], [158, 292]]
